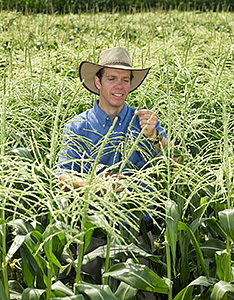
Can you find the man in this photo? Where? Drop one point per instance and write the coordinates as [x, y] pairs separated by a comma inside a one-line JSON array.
[[113, 78]]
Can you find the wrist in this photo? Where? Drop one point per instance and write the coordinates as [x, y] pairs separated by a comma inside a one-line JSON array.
[[156, 138]]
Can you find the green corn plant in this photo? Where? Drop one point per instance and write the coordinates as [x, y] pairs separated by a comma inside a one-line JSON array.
[[3, 235]]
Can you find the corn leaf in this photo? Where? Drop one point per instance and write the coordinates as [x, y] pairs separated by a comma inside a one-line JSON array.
[[95, 292], [182, 226], [138, 276], [186, 293], [32, 294], [125, 292], [59, 286], [75, 297], [220, 289], [120, 252], [172, 219], [2, 291], [226, 218]]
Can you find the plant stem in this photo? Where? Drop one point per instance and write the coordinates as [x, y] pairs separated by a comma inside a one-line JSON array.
[[3, 235], [168, 254], [227, 271], [105, 280]]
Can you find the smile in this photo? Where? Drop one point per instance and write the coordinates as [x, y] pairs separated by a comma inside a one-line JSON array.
[[118, 95]]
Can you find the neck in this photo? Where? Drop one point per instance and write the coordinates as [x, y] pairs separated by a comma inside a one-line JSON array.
[[112, 112]]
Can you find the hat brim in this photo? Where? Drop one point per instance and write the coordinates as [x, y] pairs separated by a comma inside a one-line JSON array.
[[88, 70]]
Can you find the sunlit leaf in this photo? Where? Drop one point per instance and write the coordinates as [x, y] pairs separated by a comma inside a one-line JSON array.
[[220, 289], [32, 294], [138, 276], [23, 153], [226, 218], [59, 286], [17, 242], [120, 252], [186, 293], [95, 292], [75, 297], [125, 292], [221, 259]]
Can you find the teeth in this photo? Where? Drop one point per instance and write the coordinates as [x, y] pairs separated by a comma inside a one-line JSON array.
[[118, 95]]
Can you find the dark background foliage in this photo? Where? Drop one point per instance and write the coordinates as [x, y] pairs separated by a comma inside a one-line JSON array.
[[75, 6]]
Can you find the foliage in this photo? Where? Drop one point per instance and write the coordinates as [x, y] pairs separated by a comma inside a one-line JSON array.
[[45, 232], [62, 6]]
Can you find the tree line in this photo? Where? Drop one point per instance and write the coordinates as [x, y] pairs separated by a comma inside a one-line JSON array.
[[76, 6]]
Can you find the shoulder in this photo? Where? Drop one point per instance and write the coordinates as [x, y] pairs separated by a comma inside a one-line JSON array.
[[77, 122]]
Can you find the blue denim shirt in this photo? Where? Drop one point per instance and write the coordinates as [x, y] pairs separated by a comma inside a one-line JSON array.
[[85, 133]]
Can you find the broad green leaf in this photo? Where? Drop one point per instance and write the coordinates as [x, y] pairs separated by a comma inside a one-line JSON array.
[[220, 289], [22, 227], [172, 219], [2, 291], [95, 292], [182, 226], [89, 233], [50, 245], [24, 153], [213, 223], [17, 242], [221, 257], [32, 294], [139, 277], [33, 274], [15, 287], [75, 297], [226, 218], [125, 292], [186, 293], [59, 286], [212, 245], [120, 252]]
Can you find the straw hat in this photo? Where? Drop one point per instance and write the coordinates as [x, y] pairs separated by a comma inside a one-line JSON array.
[[117, 58]]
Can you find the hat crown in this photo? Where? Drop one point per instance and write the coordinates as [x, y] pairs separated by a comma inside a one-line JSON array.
[[115, 56]]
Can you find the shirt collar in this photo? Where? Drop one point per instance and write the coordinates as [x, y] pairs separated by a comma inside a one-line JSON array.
[[103, 116]]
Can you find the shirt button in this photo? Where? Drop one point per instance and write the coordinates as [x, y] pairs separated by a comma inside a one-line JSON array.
[[103, 125], [107, 118], [119, 124]]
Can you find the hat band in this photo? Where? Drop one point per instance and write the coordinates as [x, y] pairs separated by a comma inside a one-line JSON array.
[[117, 63]]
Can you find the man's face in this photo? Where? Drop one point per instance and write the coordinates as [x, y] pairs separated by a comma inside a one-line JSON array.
[[114, 88]]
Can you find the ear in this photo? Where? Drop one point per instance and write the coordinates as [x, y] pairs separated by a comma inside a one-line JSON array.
[[97, 82]]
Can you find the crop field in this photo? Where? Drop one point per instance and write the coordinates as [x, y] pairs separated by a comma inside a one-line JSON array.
[[45, 231]]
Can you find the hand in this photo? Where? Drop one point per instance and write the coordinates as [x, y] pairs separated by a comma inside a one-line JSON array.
[[117, 181], [145, 115]]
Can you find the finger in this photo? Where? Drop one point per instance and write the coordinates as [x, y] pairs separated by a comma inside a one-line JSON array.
[[142, 112], [146, 114]]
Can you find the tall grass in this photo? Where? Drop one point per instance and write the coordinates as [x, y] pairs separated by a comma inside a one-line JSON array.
[[190, 87]]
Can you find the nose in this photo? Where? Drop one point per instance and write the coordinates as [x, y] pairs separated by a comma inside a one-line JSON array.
[[119, 84]]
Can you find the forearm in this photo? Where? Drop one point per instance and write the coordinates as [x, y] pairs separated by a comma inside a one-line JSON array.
[[158, 141]]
